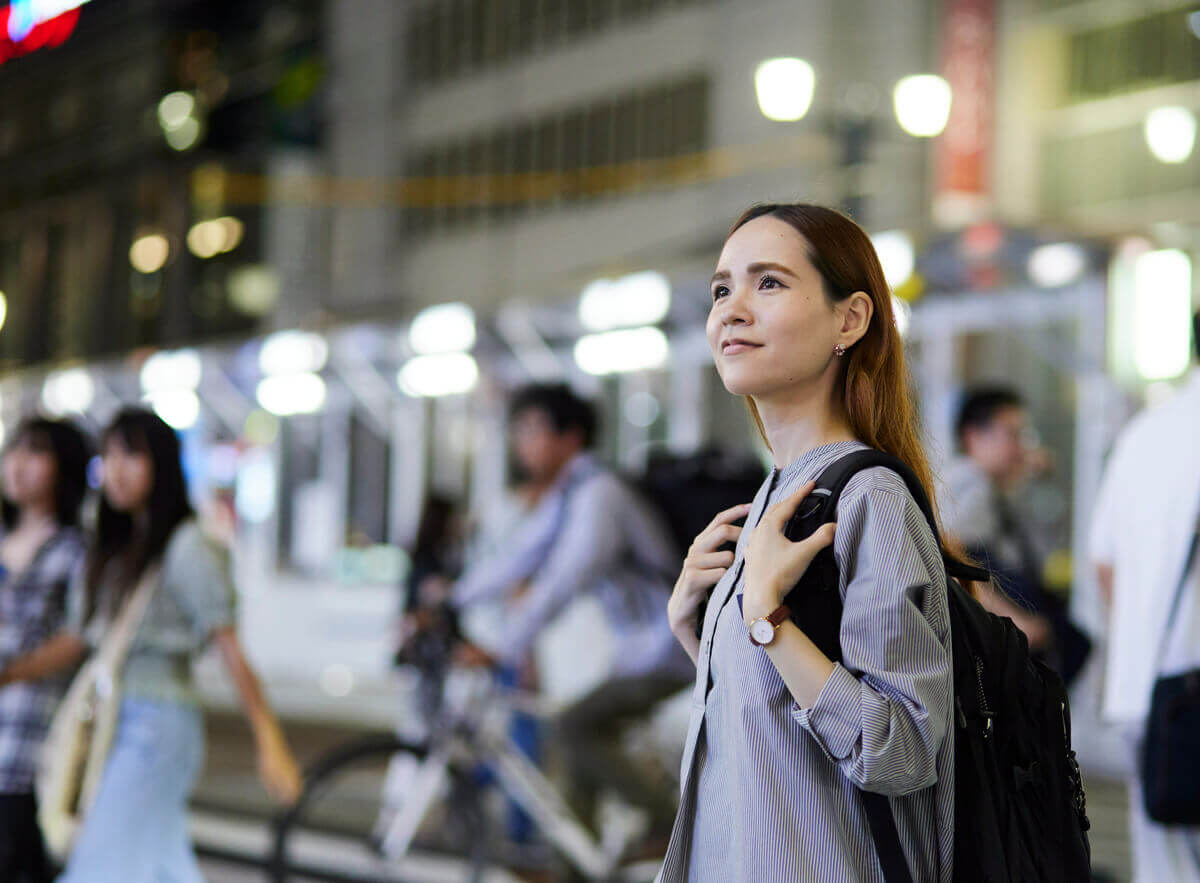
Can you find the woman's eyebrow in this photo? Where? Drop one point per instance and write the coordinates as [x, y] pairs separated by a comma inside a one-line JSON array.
[[763, 266]]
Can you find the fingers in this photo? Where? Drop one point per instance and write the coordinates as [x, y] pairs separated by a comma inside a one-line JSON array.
[[715, 537], [786, 508], [703, 580], [727, 516], [821, 537], [711, 560]]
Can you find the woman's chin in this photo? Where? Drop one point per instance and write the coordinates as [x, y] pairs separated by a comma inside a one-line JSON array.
[[738, 384]]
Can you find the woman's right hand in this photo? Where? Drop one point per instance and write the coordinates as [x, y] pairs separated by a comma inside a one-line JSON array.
[[703, 568]]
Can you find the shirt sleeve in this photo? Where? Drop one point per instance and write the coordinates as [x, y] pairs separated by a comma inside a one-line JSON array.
[[495, 576], [885, 710], [590, 539], [198, 576], [967, 507], [1102, 536]]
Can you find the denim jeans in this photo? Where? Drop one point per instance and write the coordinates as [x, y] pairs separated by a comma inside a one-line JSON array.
[[136, 831]]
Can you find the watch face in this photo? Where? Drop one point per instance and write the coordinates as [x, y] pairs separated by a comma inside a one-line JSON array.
[[762, 631]]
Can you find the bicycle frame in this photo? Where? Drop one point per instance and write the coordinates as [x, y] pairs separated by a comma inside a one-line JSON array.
[[518, 777]]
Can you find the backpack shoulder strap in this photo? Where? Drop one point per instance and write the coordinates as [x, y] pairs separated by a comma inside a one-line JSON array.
[[833, 480], [829, 487]]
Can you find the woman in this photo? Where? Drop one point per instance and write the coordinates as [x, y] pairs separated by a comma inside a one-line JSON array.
[[781, 737], [137, 828], [41, 550]]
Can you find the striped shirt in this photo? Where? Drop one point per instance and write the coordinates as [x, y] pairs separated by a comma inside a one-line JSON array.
[[770, 790]]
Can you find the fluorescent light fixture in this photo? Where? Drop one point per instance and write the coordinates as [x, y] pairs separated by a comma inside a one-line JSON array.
[[292, 394], [896, 254], [1170, 133], [185, 136], [1162, 310], [634, 300], [68, 392], [293, 352], [256, 487], [630, 349], [922, 104], [175, 109], [171, 370], [445, 328], [179, 408], [442, 374], [784, 87], [1057, 264]]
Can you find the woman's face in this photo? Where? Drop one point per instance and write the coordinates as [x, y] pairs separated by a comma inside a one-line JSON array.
[[128, 476], [771, 328], [30, 473]]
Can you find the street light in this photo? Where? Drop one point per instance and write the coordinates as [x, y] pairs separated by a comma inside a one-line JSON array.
[[785, 88], [1170, 133], [922, 105], [921, 102]]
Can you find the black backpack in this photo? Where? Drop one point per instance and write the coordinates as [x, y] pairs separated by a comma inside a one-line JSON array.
[[689, 489], [1019, 803]]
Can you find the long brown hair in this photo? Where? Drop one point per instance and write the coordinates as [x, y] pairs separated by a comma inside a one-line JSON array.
[[873, 386]]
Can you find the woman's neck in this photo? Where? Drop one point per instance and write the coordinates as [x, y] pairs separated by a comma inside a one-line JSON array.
[[799, 423], [36, 517]]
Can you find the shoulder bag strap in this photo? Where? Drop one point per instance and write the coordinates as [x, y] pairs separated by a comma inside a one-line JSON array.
[[116, 644], [1179, 587]]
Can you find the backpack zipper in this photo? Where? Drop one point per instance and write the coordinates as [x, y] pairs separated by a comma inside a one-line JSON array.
[[984, 711], [1075, 777]]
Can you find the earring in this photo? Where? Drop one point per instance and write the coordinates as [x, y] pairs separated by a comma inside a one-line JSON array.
[[839, 350]]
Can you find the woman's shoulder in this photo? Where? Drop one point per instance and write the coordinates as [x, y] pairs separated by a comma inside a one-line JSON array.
[[875, 482], [188, 541]]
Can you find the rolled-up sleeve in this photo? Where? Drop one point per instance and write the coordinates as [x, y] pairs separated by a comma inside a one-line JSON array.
[[197, 574], [884, 711]]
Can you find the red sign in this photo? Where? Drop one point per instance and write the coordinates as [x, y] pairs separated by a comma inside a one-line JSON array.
[[43, 35], [968, 65]]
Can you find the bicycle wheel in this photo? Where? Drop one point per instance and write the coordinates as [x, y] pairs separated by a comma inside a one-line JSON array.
[[338, 828]]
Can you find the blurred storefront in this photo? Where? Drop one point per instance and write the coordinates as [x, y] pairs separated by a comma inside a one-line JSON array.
[[282, 188]]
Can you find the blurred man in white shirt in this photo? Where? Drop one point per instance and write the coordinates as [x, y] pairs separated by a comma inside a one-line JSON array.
[[1145, 517]]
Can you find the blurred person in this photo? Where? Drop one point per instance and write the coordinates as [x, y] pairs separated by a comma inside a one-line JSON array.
[[997, 461], [782, 738], [429, 627], [588, 532], [1147, 514], [136, 830], [41, 552]]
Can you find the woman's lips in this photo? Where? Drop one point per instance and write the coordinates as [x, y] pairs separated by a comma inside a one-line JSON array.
[[733, 347]]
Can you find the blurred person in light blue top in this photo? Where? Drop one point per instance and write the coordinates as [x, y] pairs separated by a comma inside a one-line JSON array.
[[137, 828]]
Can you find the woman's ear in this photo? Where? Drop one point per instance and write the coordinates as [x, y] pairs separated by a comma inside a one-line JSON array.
[[856, 312]]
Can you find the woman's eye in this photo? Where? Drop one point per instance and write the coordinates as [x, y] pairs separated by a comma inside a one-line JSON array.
[[769, 282], [719, 292]]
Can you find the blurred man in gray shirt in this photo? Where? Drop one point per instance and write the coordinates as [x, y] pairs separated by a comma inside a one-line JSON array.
[[589, 532]]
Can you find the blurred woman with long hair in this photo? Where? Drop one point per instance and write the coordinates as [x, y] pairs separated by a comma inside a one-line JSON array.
[[136, 830], [783, 739], [41, 552]]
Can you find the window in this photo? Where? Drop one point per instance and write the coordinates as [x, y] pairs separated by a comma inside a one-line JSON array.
[[1151, 51], [449, 38], [602, 142]]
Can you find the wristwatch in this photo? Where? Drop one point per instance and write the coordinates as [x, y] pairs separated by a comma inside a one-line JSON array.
[[764, 629]]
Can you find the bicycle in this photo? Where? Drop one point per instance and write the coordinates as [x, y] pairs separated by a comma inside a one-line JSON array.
[[444, 811]]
